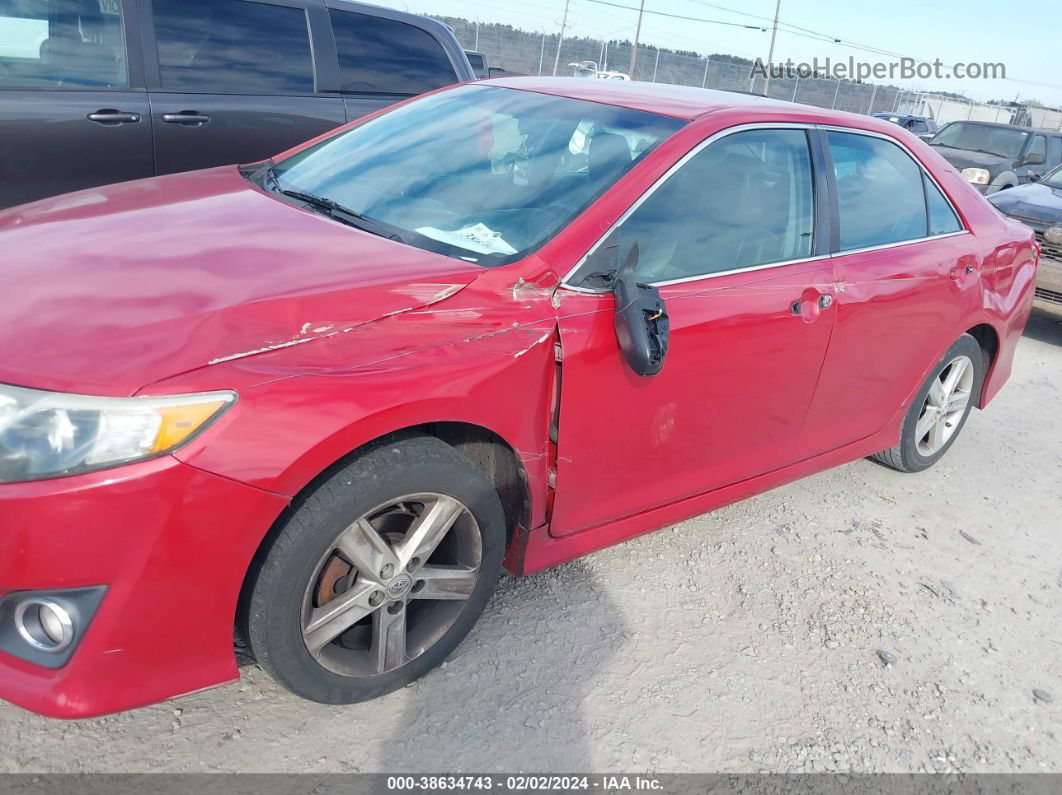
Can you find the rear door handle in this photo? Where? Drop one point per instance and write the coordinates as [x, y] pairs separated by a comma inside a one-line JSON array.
[[809, 305], [190, 118], [113, 117]]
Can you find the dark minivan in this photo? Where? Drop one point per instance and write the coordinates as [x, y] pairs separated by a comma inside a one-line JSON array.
[[101, 91]]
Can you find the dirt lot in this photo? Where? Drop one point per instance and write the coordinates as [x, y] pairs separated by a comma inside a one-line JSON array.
[[749, 639]]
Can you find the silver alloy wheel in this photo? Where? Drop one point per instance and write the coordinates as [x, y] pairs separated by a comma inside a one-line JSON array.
[[943, 410], [394, 582]]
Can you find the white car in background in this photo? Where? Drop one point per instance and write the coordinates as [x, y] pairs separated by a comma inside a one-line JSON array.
[[589, 69]]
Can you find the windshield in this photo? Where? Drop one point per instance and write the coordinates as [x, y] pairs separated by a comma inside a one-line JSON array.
[[1053, 179], [482, 173], [1002, 141]]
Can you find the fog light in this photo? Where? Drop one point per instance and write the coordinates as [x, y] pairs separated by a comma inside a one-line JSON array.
[[46, 627], [44, 624]]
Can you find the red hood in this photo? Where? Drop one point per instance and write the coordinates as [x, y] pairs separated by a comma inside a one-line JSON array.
[[109, 290]]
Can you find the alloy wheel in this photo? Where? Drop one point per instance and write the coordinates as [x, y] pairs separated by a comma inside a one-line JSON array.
[[944, 406], [394, 581]]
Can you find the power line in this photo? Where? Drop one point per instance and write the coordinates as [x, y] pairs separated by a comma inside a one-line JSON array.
[[680, 16], [808, 33]]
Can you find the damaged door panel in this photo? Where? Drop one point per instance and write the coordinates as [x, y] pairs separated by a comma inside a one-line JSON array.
[[728, 404]]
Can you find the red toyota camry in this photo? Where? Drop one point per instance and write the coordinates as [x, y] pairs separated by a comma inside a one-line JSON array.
[[325, 398]]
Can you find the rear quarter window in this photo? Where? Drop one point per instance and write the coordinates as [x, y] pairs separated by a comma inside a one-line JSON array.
[[383, 56], [942, 218]]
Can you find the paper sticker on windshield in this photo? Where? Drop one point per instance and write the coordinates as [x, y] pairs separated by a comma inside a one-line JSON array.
[[478, 238]]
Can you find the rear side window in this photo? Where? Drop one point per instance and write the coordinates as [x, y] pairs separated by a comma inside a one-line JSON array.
[[54, 44], [233, 47], [919, 126], [744, 201], [382, 56], [879, 192], [942, 219]]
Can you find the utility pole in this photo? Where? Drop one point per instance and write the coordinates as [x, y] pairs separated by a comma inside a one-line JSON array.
[[560, 39], [637, 34], [770, 53]]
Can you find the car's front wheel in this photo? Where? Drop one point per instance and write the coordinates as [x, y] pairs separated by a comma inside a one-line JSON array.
[[379, 574], [939, 410]]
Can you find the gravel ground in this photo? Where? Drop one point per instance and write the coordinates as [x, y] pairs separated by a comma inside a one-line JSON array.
[[754, 638]]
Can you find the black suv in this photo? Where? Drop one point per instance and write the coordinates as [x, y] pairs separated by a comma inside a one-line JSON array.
[[100, 91], [922, 126], [994, 157]]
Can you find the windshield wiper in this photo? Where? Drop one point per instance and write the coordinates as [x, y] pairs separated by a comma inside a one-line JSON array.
[[336, 211], [986, 152]]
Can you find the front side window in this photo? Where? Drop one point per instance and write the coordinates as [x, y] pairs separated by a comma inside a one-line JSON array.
[[984, 138], [1054, 179], [745, 200], [482, 173], [879, 192], [1037, 149], [382, 56], [233, 47], [62, 44]]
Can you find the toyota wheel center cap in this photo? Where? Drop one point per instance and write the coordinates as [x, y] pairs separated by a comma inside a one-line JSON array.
[[399, 586]]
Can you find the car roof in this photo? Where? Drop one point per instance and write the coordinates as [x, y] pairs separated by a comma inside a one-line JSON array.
[[1004, 126], [682, 102]]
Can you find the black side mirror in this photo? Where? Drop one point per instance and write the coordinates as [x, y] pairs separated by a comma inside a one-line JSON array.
[[642, 326]]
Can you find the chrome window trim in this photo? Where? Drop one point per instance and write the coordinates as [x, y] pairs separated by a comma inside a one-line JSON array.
[[899, 243], [566, 285]]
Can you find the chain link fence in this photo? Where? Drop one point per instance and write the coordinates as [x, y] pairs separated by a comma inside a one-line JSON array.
[[536, 53]]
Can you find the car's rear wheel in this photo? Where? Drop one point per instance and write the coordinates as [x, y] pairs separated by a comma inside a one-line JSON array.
[[378, 576], [940, 409]]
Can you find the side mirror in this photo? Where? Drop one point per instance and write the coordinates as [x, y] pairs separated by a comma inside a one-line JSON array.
[[1033, 176], [642, 326], [1034, 159]]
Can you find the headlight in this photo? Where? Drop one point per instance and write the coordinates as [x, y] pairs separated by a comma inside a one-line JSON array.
[[978, 176], [46, 434], [1054, 235]]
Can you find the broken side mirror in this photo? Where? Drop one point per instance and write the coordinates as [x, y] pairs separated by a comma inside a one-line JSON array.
[[642, 326]]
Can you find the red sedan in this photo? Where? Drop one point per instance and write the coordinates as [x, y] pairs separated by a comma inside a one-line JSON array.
[[325, 398]]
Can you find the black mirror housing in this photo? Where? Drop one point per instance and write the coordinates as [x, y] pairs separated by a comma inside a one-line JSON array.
[[642, 325]]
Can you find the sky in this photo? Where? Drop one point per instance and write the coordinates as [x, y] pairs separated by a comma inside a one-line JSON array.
[[967, 31]]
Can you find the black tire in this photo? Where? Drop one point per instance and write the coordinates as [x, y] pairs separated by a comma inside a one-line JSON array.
[[273, 610], [905, 456]]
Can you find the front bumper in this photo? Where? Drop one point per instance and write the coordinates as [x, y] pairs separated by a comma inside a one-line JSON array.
[[1048, 294], [171, 544]]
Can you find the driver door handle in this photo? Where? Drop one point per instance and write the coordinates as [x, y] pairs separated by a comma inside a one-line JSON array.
[[108, 116]]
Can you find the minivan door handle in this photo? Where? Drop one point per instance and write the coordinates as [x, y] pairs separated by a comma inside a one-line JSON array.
[[189, 118], [113, 117]]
